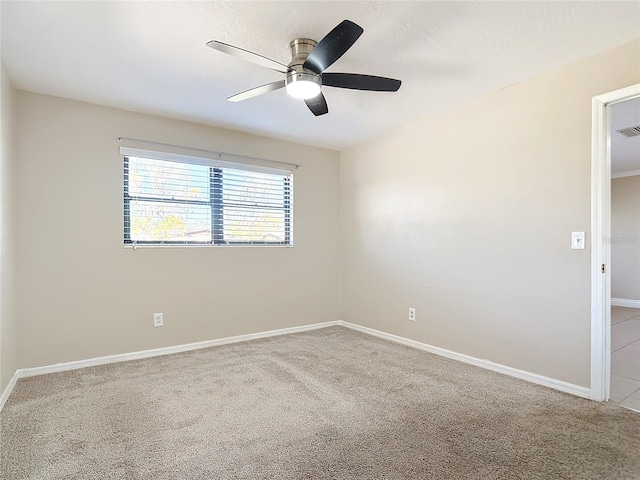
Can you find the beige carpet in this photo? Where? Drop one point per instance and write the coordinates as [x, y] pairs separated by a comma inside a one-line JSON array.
[[325, 404]]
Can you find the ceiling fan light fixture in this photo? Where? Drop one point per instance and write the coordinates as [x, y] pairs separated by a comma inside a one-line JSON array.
[[303, 89], [303, 85]]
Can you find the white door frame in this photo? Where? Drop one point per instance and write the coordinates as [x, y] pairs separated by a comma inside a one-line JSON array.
[[601, 239]]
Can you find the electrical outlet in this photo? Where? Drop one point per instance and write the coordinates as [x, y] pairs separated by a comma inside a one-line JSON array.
[[412, 314], [158, 319]]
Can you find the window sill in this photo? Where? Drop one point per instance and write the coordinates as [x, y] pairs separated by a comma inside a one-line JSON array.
[[145, 246]]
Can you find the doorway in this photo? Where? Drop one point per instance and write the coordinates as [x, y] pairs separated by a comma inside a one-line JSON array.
[[601, 239]]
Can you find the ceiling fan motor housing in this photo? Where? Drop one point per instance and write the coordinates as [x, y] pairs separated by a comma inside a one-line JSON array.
[[300, 50]]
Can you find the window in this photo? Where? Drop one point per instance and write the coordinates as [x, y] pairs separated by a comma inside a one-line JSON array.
[[180, 200]]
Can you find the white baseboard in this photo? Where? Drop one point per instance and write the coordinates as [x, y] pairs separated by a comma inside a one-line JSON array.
[[92, 362], [7, 391], [630, 173], [577, 390], [623, 302]]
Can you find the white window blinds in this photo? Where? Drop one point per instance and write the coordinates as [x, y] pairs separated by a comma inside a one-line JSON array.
[[172, 199]]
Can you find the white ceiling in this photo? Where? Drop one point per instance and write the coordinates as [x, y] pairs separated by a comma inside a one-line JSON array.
[[151, 57], [625, 151]]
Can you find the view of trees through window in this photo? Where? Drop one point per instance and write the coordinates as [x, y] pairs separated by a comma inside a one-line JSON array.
[[176, 202]]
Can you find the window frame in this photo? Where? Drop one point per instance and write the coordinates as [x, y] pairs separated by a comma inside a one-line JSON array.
[[215, 201]]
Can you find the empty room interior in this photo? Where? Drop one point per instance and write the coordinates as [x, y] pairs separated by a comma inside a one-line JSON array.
[[320, 240]]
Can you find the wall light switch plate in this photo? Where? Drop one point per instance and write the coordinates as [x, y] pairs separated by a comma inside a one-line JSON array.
[[577, 240]]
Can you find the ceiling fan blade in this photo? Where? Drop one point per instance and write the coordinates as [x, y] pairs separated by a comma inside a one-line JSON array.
[[254, 92], [333, 46], [248, 56], [317, 105], [356, 81]]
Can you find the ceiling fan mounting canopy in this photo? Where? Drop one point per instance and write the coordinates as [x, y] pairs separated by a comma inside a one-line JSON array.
[[305, 75]]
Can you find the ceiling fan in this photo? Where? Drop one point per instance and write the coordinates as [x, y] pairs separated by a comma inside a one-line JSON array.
[[304, 74]]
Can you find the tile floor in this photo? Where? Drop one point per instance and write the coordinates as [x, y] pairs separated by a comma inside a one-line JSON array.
[[625, 357]]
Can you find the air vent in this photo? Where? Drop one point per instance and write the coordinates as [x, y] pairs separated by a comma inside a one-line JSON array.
[[630, 132]]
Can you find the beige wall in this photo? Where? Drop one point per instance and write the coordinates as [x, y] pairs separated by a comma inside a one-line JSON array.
[[625, 233], [8, 357], [82, 295], [467, 216]]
